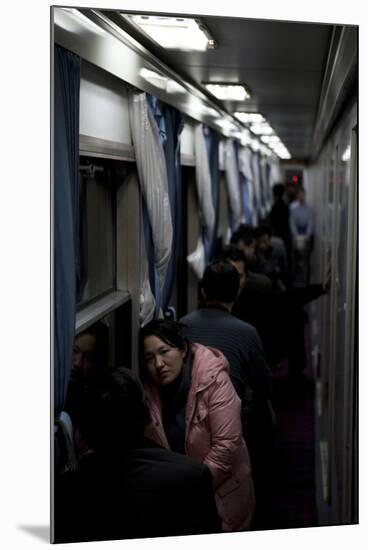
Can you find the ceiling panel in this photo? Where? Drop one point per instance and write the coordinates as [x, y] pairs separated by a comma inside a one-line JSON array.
[[268, 44], [283, 64]]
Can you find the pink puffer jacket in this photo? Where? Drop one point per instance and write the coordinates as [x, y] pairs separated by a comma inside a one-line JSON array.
[[213, 435]]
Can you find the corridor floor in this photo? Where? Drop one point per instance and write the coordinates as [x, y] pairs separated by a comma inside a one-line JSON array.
[[292, 491]]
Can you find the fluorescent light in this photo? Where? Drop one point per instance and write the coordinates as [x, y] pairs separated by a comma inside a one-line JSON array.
[[270, 139], [174, 33], [280, 150], [227, 125], [174, 87], [236, 134], [249, 118], [200, 109], [235, 92], [262, 128], [245, 137]]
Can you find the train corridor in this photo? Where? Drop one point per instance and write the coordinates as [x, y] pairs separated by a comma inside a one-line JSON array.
[[293, 490], [154, 177]]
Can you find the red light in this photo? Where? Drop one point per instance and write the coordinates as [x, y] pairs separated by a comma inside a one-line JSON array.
[[295, 179]]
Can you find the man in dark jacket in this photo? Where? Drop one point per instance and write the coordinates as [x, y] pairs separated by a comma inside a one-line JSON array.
[[244, 239], [125, 485], [214, 325], [272, 253], [279, 218], [276, 316]]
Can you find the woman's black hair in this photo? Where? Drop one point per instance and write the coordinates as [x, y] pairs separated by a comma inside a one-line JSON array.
[[168, 331]]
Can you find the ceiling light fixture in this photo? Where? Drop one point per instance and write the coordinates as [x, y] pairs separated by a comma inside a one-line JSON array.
[[200, 109], [262, 128], [229, 92], [227, 125], [249, 118], [270, 139], [280, 150], [174, 33]]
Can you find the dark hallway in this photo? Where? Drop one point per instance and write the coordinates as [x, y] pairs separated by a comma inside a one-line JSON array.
[[293, 490]]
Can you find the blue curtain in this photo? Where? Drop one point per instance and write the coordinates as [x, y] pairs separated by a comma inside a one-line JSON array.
[[240, 176], [269, 183], [157, 110], [256, 195], [173, 125], [212, 142], [232, 221], [66, 197], [246, 200]]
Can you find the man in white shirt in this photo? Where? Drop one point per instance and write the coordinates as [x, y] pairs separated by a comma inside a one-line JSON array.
[[301, 225], [301, 216]]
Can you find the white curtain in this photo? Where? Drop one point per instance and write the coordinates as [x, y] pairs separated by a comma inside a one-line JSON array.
[[245, 162], [245, 167], [203, 180], [232, 182], [197, 259], [147, 302], [151, 166], [275, 171], [146, 299]]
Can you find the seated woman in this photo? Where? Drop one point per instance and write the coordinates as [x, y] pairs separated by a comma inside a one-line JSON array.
[[196, 411]]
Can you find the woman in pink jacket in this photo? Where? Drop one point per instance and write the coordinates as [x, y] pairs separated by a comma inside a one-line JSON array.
[[196, 411]]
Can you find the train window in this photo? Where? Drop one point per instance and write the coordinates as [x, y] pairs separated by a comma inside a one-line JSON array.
[[96, 262], [118, 328], [98, 294]]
